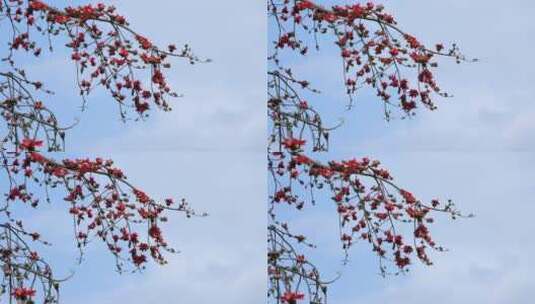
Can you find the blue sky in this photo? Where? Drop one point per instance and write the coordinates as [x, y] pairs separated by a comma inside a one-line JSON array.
[[210, 149], [477, 149]]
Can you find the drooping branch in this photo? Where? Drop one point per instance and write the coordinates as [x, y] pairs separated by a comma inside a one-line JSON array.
[[104, 48]]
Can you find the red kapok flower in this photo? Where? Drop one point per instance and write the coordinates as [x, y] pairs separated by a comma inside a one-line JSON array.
[[23, 293], [38, 5], [30, 144], [37, 157], [293, 143], [144, 42], [302, 5], [407, 196], [302, 159], [291, 297]]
